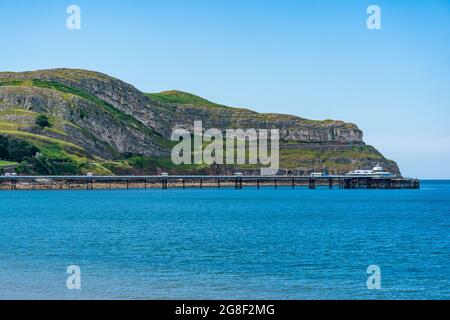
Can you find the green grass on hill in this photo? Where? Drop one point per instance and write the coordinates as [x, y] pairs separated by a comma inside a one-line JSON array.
[[4, 163], [175, 96], [11, 82], [17, 112], [50, 147]]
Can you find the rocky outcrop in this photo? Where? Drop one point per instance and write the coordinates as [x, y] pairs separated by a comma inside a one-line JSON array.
[[97, 130], [120, 95], [291, 128]]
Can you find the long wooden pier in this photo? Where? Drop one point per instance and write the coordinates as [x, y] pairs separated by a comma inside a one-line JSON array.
[[202, 181]]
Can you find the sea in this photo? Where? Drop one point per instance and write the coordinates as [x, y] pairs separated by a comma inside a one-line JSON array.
[[226, 244]]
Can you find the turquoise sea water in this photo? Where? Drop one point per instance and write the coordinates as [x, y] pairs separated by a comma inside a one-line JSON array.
[[226, 244]]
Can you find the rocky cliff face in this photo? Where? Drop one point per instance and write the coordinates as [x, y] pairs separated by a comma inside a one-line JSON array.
[[83, 122], [100, 121], [291, 128]]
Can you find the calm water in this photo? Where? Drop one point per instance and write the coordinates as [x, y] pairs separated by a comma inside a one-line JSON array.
[[268, 244]]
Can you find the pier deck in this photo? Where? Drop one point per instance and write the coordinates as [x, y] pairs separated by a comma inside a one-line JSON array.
[[199, 181]]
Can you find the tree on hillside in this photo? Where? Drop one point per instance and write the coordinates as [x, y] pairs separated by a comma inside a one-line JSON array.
[[4, 147], [20, 150], [15, 150], [42, 121]]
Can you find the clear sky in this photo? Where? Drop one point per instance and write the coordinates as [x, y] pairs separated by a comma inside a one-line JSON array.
[[317, 60]]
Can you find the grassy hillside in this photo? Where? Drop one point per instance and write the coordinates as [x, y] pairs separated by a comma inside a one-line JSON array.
[[180, 97]]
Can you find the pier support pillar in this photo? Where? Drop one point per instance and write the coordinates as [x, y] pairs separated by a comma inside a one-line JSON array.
[[238, 183], [347, 183], [330, 183], [312, 183], [164, 184]]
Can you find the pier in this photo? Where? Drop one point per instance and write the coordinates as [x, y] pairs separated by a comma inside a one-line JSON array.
[[202, 181]]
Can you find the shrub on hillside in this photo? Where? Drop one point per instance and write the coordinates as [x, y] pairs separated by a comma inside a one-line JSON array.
[[16, 150], [42, 121]]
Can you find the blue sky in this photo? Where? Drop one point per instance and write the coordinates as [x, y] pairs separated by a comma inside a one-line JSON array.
[[316, 60]]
